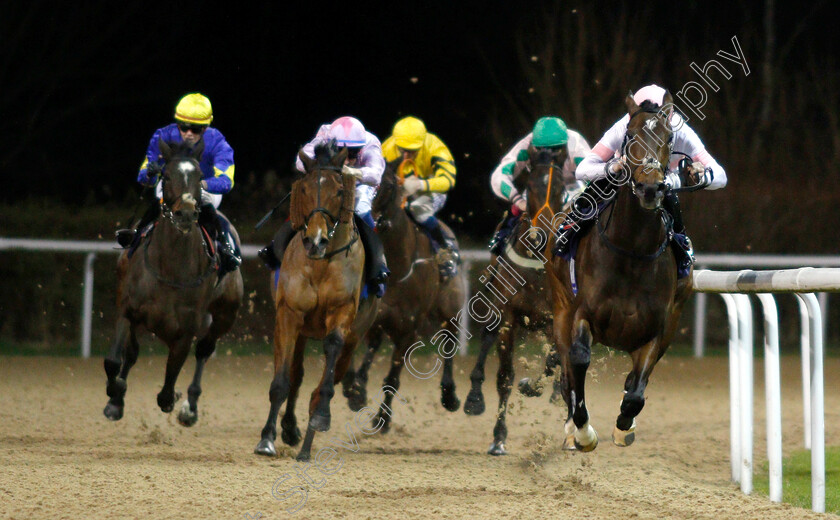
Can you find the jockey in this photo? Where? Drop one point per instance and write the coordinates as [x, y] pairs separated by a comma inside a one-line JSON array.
[[365, 163], [712, 176], [426, 183], [193, 116], [549, 134]]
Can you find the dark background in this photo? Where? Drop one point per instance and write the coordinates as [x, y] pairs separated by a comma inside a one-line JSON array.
[[85, 85]]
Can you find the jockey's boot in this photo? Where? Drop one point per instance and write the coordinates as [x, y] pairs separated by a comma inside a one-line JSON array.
[[683, 250], [447, 256], [219, 229], [503, 231], [583, 214], [272, 254], [376, 266], [125, 237]]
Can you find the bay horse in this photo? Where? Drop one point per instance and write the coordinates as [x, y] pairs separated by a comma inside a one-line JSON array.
[[317, 296], [416, 300], [628, 295], [522, 267], [170, 286]]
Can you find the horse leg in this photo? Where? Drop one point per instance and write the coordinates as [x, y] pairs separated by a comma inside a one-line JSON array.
[[357, 397], [204, 348], [286, 329], [223, 313], [319, 404], [504, 381], [586, 439], [448, 398], [178, 352], [290, 431], [474, 404], [644, 359], [117, 364], [535, 389], [392, 380]]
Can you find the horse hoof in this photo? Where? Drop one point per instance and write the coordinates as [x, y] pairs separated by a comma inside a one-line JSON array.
[[266, 448], [527, 389], [319, 423], [290, 436], [586, 438], [450, 401], [497, 449], [113, 412], [166, 405], [357, 398], [303, 456], [186, 417], [475, 403], [624, 438], [386, 423], [569, 443], [556, 398]]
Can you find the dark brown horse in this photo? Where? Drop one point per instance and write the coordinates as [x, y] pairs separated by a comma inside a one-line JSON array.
[[317, 296], [629, 297], [416, 300], [170, 287], [522, 267]]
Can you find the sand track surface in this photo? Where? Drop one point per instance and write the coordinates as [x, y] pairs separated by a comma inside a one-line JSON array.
[[61, 458]]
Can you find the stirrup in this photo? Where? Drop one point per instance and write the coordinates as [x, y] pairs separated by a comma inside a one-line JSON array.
[[125, 237], [447, 260], [228, 258]]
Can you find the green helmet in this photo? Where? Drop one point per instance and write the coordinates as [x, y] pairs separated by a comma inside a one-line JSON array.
[[550, 131]]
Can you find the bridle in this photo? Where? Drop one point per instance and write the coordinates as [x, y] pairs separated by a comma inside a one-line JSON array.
[[168, 209], [333, 219]]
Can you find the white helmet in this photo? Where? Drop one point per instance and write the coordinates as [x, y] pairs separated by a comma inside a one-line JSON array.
[[348, 131], [653, 93]]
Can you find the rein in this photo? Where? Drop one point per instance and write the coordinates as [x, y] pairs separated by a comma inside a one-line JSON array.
[[211, 268], [546, 204], [669, 232]]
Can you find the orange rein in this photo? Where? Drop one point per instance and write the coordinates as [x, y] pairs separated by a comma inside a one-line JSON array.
[[401, 176], [547, 197]]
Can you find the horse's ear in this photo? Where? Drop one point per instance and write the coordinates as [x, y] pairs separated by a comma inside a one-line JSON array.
[[339, 158], [532, 152], [308, 162], [632, 107], [198, 150], [667, 105], [165, 150]]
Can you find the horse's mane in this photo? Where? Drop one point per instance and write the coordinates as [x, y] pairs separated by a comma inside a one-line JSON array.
[[648, 106], [324, 152]]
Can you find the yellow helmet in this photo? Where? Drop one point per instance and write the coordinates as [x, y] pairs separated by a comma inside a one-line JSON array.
[[410, 133], [195, 109]]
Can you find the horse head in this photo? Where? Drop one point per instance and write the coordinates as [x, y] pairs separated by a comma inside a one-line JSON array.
[[543, 181], [647, 149], [318, 198], [389, 197], [181, 184]]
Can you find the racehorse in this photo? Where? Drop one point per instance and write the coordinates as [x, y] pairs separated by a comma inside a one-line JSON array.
[[416, 300], [628, 295], [522, 268], [317, 296], [170, 286]]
